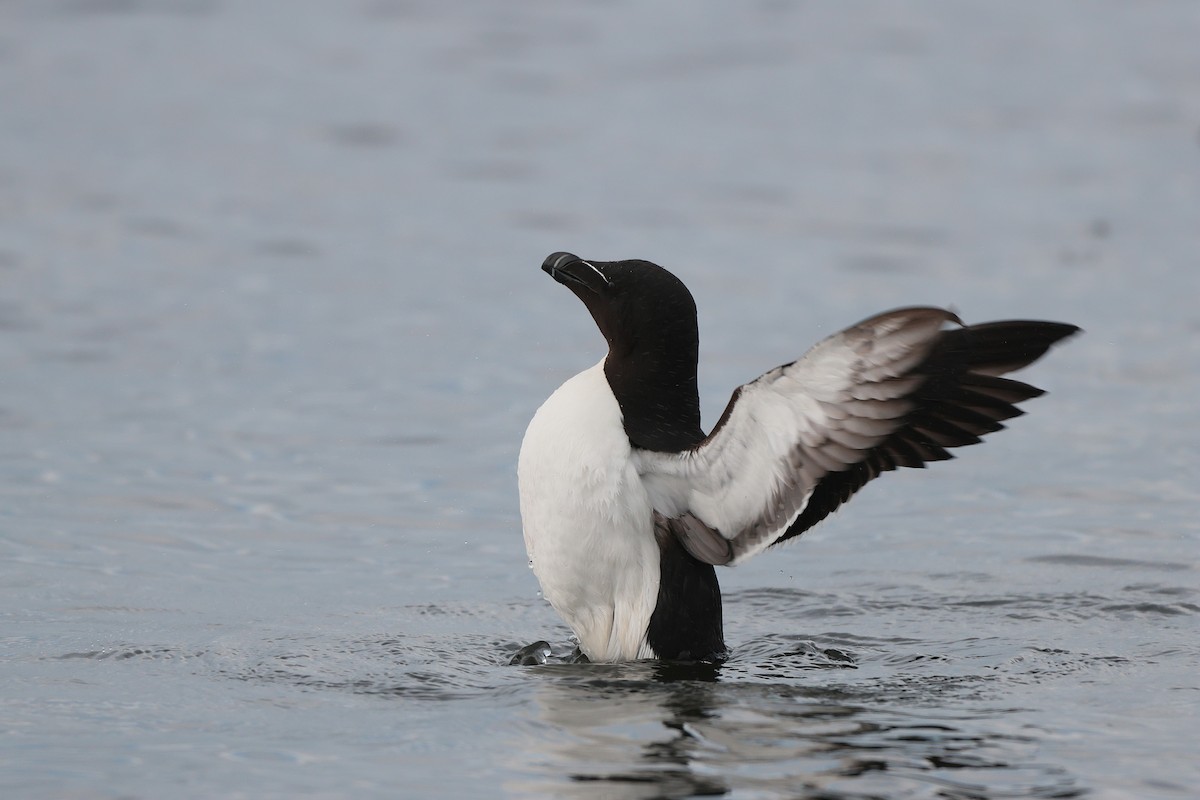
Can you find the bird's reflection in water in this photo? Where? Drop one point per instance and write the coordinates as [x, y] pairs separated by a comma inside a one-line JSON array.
[[674, 730], [626, 730]]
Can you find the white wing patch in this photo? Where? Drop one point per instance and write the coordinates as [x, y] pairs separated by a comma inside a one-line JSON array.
[[740, 489]]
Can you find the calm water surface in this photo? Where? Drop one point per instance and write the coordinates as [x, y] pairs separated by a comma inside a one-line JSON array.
[[272, 324]]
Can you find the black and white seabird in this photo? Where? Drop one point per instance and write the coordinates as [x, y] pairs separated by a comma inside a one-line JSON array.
[[627, 505]]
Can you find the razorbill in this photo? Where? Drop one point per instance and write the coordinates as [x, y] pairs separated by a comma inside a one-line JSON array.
[[626, 504]]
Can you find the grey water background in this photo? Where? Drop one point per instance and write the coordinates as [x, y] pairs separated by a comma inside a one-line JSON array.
[[272, 323]]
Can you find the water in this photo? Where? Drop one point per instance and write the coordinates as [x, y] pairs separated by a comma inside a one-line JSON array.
[[271, 326]]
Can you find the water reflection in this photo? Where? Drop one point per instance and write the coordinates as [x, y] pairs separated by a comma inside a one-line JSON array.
[[628, 730], [647, 730]]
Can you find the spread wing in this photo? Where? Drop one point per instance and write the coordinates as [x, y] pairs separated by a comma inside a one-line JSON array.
[[895, 390]]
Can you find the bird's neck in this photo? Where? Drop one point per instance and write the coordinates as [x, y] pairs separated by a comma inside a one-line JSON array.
[[656, 389]]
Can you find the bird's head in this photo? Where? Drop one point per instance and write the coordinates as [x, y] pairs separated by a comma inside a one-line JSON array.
[[640, 307]]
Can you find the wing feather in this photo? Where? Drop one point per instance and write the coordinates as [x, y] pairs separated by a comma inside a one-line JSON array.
[[895, 390]]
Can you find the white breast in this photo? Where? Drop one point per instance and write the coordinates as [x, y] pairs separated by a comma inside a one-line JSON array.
[[587, 519]]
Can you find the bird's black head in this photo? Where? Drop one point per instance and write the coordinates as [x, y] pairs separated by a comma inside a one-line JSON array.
[[648, 318], [639, 307]]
